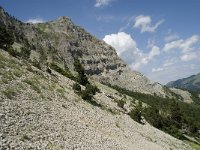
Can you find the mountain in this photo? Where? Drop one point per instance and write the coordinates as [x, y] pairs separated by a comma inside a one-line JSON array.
[[52, 96], [191, 83], [62, 41]]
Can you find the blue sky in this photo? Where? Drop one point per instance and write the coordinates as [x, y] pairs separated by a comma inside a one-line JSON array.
[[159, 38]]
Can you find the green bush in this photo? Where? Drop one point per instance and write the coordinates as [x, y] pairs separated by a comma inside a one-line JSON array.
[[25, 52], [86, 95], [6, 38], [121, 103], [89, 98], [136, 113], [92, 89], [60, 70], [13, 52], [76, 87], [81, 78]]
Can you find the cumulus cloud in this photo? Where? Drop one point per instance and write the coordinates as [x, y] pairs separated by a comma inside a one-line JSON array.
[[171, 37], [100, 3], [183, 45], [35, 20], [188, 56], [144, 23], [127, 49], [121, 42]]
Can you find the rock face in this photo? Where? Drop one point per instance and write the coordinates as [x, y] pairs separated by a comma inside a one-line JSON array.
[[187, 97], [191, 83], [62, 41], [41, 111]]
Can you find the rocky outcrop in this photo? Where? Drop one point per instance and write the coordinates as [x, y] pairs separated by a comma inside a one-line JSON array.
[[187, 97]]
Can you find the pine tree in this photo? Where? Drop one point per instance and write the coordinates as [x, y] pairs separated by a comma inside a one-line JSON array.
[[81, 78], [6, 38]]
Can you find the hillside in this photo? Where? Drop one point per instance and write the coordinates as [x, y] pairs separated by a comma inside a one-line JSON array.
[[41, 111], [191, 83]]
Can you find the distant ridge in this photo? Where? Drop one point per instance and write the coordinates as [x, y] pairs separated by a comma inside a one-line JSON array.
[[191, 83]]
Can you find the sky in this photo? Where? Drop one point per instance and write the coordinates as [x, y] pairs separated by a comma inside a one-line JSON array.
[[159, 38]]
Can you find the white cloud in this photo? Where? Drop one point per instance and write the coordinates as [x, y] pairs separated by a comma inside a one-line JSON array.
[[144, 23], [183, 45], [100, 3], [171, 37], [172, 45], [154, 52], [170, 62], [121, 42], [35, 20], [127, 49], [157, 69], [186, 45], [188, 56]]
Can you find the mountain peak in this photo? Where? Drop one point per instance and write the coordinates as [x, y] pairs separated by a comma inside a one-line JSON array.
[[64, 19], [1, 8]]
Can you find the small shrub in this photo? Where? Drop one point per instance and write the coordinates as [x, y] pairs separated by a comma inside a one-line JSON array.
[[76, 87], [49, 70], [81, 78], [6, 38], [9, 93], [33, 83], [121, 103], [60, 70], [8, 76], [89, 98], [18, 73], [92, 89], [112, 111], [62, 92], [36, 64], [13, 52], [86, 95], [25, 52], [25, 137], [136, 113]]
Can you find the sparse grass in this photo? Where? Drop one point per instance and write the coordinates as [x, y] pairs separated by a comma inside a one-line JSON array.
[[114, 112], [7, 76], [8, 62], [18, 73], [34, 84], [4, 80], [9, 93], [121, 103], [61, 91], [41, 28]]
